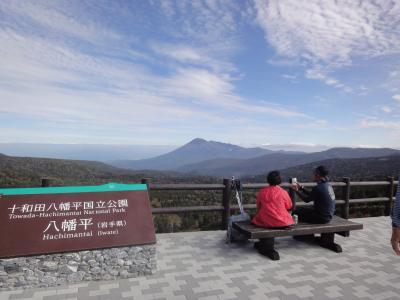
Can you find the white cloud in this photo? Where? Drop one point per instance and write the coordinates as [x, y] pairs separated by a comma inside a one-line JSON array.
[[287, 76], [65, 70], [315, 73], [56, 84], [396, 97], [204, 22], [283, 62], [217, 90], [318, 124], [318, 73], [330, 31], [322, 99], [376, 123], [369, 146], [297, 146], [392, 82], [182, 53], [386, 109], [56, 21], [331, 82], [204, 57], [200, 83], [327, 35]]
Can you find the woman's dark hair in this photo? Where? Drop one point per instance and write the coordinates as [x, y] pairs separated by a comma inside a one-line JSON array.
[[274, 178], [321, 171]]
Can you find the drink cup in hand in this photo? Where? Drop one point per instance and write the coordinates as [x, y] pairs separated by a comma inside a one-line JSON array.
[[295, 184]]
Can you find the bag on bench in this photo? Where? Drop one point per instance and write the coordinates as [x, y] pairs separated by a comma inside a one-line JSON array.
[[232, 235]]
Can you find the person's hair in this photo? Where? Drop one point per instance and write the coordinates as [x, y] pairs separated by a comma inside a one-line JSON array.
[[274, 178], [321, 171]]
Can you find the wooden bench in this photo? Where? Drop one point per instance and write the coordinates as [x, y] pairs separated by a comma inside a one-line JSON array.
[[302, 231]]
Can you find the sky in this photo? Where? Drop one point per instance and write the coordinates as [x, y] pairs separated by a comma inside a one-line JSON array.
[[287, 72]]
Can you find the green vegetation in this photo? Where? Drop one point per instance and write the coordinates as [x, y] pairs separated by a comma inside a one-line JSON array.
[[28, 172]]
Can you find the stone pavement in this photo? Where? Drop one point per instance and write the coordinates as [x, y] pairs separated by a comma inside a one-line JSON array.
[[200, 265]]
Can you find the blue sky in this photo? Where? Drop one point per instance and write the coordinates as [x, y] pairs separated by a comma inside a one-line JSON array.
[[164, 72]]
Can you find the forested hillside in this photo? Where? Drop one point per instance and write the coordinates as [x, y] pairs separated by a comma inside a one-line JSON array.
[[28, 172]]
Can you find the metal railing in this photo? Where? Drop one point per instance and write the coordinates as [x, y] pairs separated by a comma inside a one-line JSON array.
[[225, 208]]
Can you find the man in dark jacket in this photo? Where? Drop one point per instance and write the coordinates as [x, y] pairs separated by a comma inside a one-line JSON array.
[[323, 198]]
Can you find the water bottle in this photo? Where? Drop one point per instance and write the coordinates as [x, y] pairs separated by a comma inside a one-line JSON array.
[[295, 219]]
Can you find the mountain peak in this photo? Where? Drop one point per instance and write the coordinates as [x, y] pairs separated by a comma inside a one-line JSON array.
[[197, 141]]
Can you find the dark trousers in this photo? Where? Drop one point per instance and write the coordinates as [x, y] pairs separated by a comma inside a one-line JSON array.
[[309, 215]]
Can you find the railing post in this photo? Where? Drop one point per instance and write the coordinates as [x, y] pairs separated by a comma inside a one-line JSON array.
[[226, 202], [346, 197], [45, 182], [292, 195], [147, 182], [389, 204]]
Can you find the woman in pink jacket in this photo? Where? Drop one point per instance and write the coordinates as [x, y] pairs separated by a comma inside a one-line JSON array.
[[273, 204]]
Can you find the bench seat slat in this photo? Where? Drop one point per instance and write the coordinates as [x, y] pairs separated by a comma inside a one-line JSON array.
[[337, 224]]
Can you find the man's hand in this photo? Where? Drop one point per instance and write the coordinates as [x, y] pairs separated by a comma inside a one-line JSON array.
[[296, 186], [396, 240]]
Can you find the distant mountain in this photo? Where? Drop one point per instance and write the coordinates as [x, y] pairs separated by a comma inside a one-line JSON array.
[[370, 168], [265, 163], [28, 171], [195, 151], [95, 152], [215, 166]]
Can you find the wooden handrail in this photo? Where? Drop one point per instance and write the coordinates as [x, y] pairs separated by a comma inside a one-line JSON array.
[[216, 186], [181, 209], [226, 207], [185, 187]]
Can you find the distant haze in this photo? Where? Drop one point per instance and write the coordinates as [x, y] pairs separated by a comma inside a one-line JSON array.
[[84, 152], [110, 152], [297, 147]]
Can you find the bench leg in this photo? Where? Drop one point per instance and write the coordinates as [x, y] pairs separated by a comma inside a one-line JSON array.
[[266, 248], [327, 241], [344, 233]]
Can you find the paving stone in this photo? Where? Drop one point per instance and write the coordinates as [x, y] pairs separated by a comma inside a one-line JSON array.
[[200, 265]]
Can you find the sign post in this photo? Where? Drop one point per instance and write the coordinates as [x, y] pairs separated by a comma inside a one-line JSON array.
[[63, 219]]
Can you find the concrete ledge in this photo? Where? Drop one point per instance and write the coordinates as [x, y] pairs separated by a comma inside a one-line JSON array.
[[65, 268]]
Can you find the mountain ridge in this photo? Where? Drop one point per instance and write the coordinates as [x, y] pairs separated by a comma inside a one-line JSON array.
[[265, 163], [28, 171], [195, 151], [366, 168], [211, 158]]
